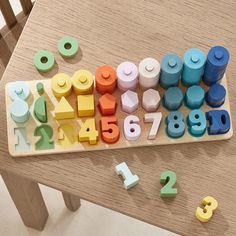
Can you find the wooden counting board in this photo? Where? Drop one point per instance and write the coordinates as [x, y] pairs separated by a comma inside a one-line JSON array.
[[28, 128]]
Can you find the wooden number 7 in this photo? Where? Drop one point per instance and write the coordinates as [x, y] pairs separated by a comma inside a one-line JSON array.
[[205, 214], [155, 118], [169, 179]]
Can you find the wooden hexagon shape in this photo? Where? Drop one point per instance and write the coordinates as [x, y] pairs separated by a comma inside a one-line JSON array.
[[151, 100], [129, 101]]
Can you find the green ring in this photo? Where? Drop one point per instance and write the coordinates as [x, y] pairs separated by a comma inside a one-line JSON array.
[[47, 66], [72, 51]]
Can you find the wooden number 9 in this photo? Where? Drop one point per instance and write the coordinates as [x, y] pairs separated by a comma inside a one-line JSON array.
[[205, 214], [132, 130]]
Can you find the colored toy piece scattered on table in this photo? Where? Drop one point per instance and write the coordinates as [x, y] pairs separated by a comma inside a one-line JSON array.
[[149, 104]]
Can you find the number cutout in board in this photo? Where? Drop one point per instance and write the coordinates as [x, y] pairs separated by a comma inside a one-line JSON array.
[[88, 132], [45, 132], [204, 214], [168, 178], [22, 144], [66, 136], [155, 118], [110, 130], [132, 129]]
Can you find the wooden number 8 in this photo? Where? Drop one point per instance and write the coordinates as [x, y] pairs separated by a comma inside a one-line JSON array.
[[205, 214]]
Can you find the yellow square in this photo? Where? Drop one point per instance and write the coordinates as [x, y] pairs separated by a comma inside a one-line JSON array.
[[85, 104]]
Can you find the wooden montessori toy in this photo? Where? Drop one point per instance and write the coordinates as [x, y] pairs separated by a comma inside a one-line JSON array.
[[128, 106]]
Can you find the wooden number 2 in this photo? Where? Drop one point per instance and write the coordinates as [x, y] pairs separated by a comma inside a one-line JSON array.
[[169, 179], [205, 214], [46, 133]]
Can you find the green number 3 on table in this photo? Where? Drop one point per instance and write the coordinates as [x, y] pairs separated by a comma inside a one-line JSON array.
[[168, 178]]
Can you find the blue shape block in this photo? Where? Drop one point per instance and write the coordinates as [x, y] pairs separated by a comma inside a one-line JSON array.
[[215, 96], [19, 90], [171, 70], [175, 124], [219, 122], [194, 97], [197, 122], [194, 65], [173, 98], [216, 64]]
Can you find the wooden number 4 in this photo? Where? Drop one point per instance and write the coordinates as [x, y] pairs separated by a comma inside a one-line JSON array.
[[88, 132]]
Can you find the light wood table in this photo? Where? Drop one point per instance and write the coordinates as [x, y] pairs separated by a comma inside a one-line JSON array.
[[110, 32]]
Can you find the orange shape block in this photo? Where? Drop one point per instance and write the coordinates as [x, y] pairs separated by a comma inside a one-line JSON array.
[[105, 79], [110, 130], [107, 104]]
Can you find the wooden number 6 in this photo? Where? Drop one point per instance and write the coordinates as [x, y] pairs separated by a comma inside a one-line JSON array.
[[132, 130], [205, 214], [169, 179]]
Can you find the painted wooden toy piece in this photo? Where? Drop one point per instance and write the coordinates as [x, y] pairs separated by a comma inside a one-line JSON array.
[[44, 61], [83, 82], [107, 104], [40, 88], [45, 132], [194, 64], [85, 105], [215, 96], [173, 98], [22, 144], [40, 109], [66, 136], [129, 101], [61, 85], [175, 124], [68, 47], [149, 72], [151, 100], [210, 205], [171, 70], [168, 178], [155, 118], [110, 130], [19, 90], [19, 111], [132, 129], [194, 97], [197, 122], [127, 76], [216, 64], [63, 110], [219, 122], [88, 132], [106, 79], [130, 180]]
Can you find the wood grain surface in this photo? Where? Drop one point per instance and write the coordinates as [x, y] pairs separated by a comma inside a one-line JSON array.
[[110, 32]]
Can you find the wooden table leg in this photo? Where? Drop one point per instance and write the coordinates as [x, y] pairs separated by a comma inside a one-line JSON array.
[[28, 200], [72, 202]]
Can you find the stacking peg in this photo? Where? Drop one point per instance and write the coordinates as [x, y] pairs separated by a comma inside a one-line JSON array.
[[216, 64], [127, 75], [149, 72], [171, 69], [194, 64]]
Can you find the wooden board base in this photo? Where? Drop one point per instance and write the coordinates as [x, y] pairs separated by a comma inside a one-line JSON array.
[[161, 139]]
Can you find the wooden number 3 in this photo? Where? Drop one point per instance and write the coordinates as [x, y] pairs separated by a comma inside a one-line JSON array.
[[169, 179], [205, 214]]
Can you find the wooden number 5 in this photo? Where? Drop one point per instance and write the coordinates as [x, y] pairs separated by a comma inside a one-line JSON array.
[[205, 214], [169, 179], [110, 130]]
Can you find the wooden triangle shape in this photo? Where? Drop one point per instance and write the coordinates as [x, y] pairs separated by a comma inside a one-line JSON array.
[[64, 110]]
